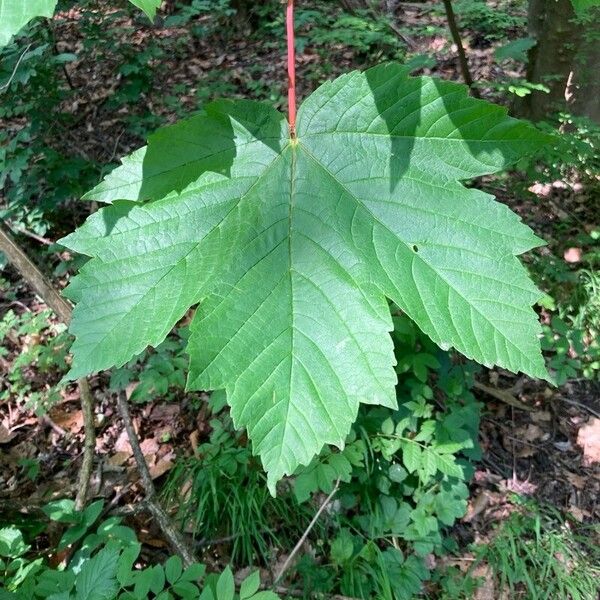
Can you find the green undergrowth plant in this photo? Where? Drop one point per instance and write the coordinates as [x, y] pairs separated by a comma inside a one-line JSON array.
[[221, 494], [571, 335], [574, 157], [365, 32], [41, 347], [105, 563], [512, 87], [491, 22], [572, 349], [158, 372], [404, 478], [537, 554], [206, 15], [38, 170]]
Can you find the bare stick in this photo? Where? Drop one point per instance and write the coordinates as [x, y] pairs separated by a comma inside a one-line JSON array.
[[174, 538], [462, 57], [56, 428], [89, 442], [581, 405], [43, 287], [505, 396], [33, 236], [301, 541], [34, 277]]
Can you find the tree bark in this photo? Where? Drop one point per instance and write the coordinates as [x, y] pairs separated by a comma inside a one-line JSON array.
[[583, 85], [564, 60]]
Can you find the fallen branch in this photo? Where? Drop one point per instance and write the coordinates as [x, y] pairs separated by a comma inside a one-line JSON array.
[[178, 543], [43, 287], [34, 277], [505, 396], [301, 541], [89, 442]]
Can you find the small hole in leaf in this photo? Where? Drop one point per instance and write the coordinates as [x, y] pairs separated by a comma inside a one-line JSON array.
[[416, 248]]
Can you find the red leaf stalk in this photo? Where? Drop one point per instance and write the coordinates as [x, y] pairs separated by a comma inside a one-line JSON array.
[[291, 56]]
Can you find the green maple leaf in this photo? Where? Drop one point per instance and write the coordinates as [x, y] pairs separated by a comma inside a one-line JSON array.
[[15, 14], [293, 248], [148, 6]]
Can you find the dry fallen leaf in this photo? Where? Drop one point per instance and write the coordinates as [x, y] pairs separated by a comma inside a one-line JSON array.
[[579, 514], [119, 458], [149, 447], [541, 416], [161, 467], [572, 255], [487, 589], [69, 421], [476, 506], [532, 433], [542, 190], [5, 435], [577, 480], [122, 443], [589, 439]]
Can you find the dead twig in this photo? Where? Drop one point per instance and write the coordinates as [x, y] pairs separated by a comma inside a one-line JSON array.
[[34, 277], [44, 288], [89, 443], [31, 234], [301, 541], [410, 43], [505, 396], [178, 543], [581, 405]]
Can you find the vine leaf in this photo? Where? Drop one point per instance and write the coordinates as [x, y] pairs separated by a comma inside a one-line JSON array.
[[293, 248], [15, 14]]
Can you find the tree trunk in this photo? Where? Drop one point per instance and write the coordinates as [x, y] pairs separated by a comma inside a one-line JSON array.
[[583, 89], [563, 60], [550, 22]]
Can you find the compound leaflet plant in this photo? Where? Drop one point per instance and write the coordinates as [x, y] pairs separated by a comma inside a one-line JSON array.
[[293, 237]]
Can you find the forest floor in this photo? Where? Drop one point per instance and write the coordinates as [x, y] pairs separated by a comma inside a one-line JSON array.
[[538, 440]]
